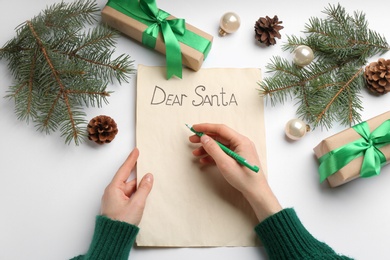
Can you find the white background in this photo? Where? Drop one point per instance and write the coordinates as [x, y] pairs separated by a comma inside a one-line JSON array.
[[50, 192]]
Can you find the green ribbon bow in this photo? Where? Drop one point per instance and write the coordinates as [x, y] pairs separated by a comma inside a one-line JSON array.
[[367, 146], [173, 31]]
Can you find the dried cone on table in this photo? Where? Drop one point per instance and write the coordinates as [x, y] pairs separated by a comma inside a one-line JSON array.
[[102, 129], [267, 29], [378, 76]]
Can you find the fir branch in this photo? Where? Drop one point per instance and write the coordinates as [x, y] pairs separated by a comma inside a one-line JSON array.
[[331, 102], [62, 92], [328, 89], [96, 39], [59, 68], [64, 16]]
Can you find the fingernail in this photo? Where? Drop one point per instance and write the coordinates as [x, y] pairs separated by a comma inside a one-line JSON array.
[[149, 177], [204, 139]]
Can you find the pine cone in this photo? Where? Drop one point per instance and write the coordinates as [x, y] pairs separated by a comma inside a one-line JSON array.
[[102, 129], [378, 76], [267, 29]]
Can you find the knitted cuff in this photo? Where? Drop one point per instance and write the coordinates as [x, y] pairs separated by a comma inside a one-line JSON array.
[[112, 239], [284, 237]]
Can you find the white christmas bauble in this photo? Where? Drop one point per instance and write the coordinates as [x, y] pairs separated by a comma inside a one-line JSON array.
[[303, 55], [229, 23], [295, 129]]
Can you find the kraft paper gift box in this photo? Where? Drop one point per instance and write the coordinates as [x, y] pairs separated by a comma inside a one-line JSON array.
[[362, 156], [182, 43]]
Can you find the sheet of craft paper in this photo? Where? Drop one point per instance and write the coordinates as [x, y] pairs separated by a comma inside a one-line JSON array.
[[192, 205]]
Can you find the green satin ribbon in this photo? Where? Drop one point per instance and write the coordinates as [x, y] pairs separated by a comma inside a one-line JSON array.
[[367, 146], [173, 31]]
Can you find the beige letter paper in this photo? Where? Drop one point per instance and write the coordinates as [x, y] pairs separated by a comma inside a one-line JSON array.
[[192, 205]]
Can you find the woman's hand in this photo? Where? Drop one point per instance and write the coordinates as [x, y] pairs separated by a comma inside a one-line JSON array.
[[252, 185], [121, 199]]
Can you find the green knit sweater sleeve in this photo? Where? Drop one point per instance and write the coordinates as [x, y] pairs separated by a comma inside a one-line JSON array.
[[284, 237], [111, 240]]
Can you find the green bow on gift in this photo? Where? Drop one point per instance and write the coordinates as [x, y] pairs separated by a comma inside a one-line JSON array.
[[367, 146], [173, 31]]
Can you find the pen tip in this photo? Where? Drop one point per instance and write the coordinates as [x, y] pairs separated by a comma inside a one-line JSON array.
[[188, 126]]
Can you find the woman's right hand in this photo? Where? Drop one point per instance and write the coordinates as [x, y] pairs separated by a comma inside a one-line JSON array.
[[252, 185]]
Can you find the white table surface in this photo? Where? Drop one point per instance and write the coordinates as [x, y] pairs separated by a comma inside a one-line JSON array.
[[50, 192]]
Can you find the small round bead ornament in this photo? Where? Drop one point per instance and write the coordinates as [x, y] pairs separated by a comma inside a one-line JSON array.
[[303, 55], [229, 23], [296, 129]]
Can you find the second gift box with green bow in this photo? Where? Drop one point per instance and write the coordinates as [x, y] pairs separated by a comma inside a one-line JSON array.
[[142, 20], [359, 151]]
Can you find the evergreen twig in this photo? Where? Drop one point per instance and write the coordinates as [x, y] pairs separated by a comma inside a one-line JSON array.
[[328, 89], [60, 67]]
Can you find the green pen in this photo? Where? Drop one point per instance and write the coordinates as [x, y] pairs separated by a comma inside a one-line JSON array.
[[229, 152]]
